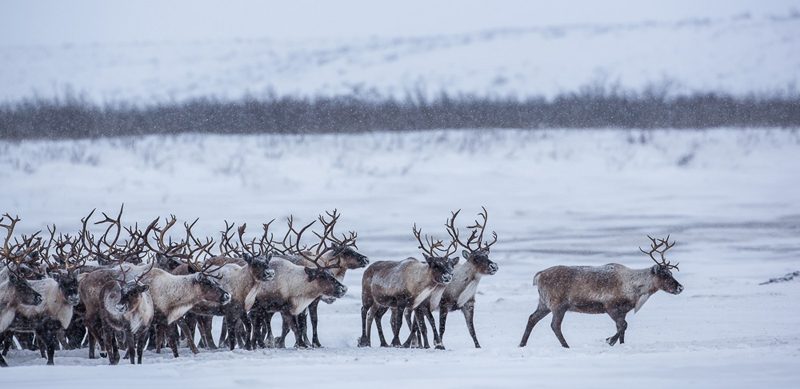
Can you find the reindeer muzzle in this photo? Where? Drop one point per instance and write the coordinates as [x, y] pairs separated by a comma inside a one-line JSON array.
[[446, 278], [225, 298], [340, 291], [37, 300], [120, 308], [493, 268], [679, 289], [269, 274], [74, 299]]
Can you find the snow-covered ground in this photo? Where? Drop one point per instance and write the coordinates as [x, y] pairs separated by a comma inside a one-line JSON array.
[[511, 49], [729, 198]]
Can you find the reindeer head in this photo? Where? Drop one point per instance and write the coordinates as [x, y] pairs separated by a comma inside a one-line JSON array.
[[319, 272], [342, 251], [476, 251], [662, 270], [440, 264], [210, 289], [130, 291], [257, 259], [14, 257], [330, 286]]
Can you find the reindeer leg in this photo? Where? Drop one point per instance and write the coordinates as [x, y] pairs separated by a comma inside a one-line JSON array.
[[437, 338], [270, 340], [558, 317], [420, 314], [131, 343], [140, 343], [539, 314], [378, 317], [622, 325], [414, 337], [469, 312], [397, 323], [302, 326], [108, 339], [443, 311], [312, 313], [292, 323], [414, 328], [152, 337], [189, 335], [366, 323], [204, 325], [172, 337], [248, 328], [223, 334]]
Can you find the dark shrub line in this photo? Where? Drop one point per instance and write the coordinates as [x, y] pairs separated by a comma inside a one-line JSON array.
[[75, 118]]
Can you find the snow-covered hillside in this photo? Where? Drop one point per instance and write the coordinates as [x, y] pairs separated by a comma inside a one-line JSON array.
[[734, 47], [729, 198]]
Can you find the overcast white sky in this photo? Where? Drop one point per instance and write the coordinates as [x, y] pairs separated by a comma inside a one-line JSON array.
[[25, 22]]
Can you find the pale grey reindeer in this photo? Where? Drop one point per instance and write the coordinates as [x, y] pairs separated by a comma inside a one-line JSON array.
[[459, 294], [613, 289], [14, 288]]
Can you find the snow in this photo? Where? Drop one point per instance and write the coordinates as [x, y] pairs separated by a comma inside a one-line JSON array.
[[729, 197], [107, 54]]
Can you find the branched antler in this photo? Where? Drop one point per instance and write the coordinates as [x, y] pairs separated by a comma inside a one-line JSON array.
[[660, 246], [431, 245]]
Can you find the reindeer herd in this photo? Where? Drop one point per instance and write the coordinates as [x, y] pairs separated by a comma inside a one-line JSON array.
[[130, 288]]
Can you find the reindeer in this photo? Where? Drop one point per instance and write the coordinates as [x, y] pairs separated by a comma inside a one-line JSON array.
[[295, 287], [242, 280], [340, 257], [405, 284], [114, 302], [60, 295], [14, 288], [613, 289], [459, 294], [174, 295]]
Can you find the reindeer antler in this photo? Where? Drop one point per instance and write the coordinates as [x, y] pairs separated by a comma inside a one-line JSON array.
[[433, 245], [663, 245]]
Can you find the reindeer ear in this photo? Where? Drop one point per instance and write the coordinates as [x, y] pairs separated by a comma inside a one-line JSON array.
[[453, 261], [268, 257], [247, 258], [144, 288], [310, 273], [654, 269], [191, 270], [465, 254], [428, 259]]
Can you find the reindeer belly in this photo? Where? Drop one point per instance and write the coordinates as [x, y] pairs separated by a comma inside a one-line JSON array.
[[394, 301], [587, 306]]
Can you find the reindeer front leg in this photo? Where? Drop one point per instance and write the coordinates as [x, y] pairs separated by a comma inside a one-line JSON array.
[[622, 325], [291, 323], [469, 312], [379, 325], [312, 313]]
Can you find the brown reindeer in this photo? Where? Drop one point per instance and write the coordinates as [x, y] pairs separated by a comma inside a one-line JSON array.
[[405, 284], [117, 303], [613, 289]]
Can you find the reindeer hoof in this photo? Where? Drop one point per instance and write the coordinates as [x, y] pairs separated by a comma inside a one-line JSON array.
[[440, 347], [362, 342], [611, 341]]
